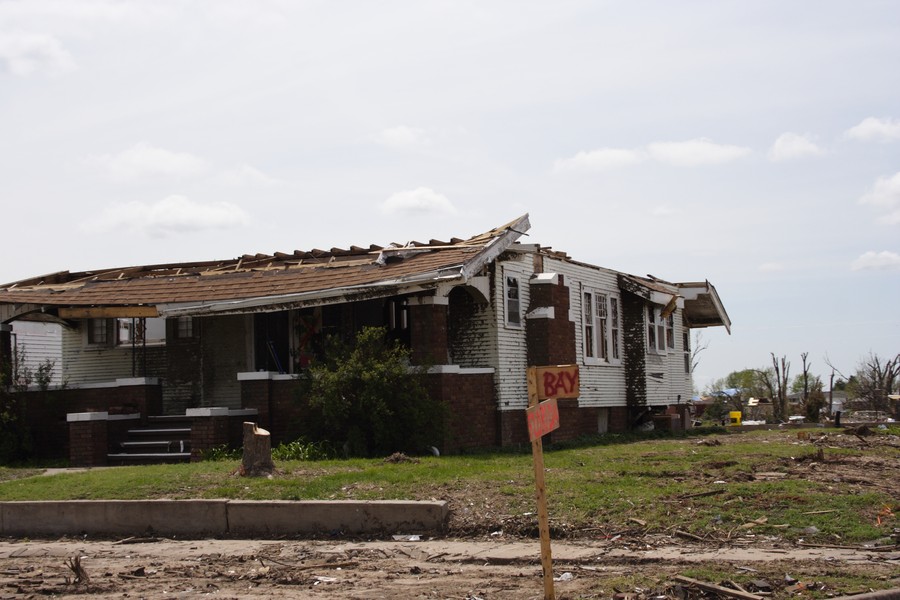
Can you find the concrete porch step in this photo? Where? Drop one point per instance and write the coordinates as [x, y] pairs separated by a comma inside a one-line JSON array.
[[158, 445], [130, 458]]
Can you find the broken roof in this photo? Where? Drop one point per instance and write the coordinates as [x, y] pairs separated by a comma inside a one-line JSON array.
[[263, 282], [260, 281]]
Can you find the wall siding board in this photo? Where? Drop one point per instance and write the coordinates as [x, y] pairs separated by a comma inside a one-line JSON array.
[[601, 385], [512, 356], [39, 343]]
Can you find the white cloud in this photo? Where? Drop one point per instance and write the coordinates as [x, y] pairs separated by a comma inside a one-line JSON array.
[[143, 160], [26, 53], [885, 193], [877, 260], [171, 215], [601, 159], [420, 201], [401, 137], [246, 175], [790, 146], [697, 152], [875, 130]]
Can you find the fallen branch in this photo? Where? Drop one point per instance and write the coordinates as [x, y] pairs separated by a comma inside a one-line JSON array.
[[137, 540], [702, 494], [691, 536], [718, 589], [333, 565]]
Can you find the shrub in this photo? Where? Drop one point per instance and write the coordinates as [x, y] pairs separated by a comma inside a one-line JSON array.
[[366, 398]]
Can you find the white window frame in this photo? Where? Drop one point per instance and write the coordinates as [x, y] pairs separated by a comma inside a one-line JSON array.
[[660, 331], [512, 305], [601, 327]]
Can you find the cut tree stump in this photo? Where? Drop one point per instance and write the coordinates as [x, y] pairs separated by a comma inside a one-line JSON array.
[[257, 460]]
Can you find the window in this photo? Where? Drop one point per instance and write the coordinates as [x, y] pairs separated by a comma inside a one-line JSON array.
[[98, 332], [660, 330], [398, 314], [184, 328], [686, 344], [670, 331], [600, 317], [513, 315]]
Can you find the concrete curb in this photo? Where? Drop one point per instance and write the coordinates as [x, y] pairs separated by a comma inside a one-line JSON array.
[[234, 518]]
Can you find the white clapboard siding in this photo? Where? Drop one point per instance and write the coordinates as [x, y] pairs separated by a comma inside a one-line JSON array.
[[38, 344], [601, 385], [512, 355], [85, 363]]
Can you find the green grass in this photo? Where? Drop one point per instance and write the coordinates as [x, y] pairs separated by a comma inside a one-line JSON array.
[[589, 487]]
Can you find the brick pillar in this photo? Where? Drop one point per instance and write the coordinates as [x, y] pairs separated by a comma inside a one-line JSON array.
[[88, 442], [6, 356], [428, 330], [550, 333], [257, 394], [208, 432], [635, 353]]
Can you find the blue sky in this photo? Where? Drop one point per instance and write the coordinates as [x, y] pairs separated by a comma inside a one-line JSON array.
[[754, 144]]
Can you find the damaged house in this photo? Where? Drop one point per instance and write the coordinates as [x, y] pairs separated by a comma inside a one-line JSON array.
[[235, 334]]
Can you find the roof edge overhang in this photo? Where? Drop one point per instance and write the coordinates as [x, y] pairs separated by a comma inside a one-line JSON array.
[[707, 292]]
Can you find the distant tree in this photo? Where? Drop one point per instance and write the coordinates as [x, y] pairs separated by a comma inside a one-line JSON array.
[[750, 383], [781, 368], [876, 379], [798, 384]]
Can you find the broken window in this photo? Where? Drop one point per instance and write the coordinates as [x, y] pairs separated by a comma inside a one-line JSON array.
[[660, 330], [140, 331], [513, 314]]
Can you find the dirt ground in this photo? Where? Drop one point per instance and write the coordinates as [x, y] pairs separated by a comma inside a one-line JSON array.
[[435, 568], [486, 554]]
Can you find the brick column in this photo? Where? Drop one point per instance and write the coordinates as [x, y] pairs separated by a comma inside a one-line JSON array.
[[550, 334], [6, 356], [428, 330], [256, 393], [88, 439], [209, 428]]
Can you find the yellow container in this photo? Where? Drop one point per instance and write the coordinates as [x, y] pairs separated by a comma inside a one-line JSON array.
[[735, 417]]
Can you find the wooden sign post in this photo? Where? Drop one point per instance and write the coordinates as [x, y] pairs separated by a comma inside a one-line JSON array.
[[546, 383]]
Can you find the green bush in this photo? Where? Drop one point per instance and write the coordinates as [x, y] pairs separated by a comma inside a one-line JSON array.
[[368, 400], [303, 450]]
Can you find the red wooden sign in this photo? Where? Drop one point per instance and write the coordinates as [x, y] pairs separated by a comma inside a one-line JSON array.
[[557, 382], [542, 419]]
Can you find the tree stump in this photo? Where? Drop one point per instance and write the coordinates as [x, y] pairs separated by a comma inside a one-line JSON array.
[[257, 460]]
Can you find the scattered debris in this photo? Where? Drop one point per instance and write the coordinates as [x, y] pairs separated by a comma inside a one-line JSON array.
[[718, 589], [399, 457], [80, 575]]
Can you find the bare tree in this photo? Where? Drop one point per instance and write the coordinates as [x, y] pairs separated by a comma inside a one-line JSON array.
[[877, 379], [831, 384], [779, 402], [806, 367], [697, 347]]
